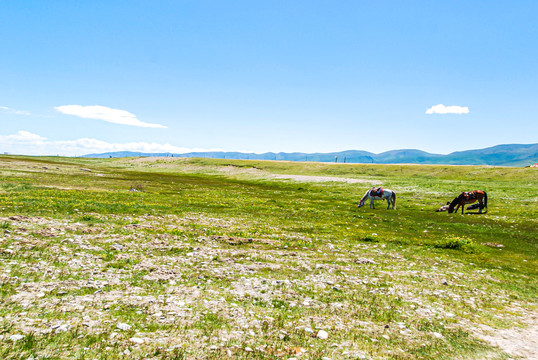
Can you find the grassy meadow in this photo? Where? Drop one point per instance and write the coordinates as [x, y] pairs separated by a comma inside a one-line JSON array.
[[175, 258]]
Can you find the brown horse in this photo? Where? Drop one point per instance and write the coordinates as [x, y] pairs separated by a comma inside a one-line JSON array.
[[469, 197]]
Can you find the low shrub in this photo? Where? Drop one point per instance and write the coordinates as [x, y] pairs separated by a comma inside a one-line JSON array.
[[369, 238], [457, 243]]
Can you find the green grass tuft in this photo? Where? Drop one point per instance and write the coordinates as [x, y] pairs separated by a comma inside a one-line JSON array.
[[458, 243]]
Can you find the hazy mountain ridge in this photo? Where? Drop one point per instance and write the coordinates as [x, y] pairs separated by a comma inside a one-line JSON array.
[[499, 155]]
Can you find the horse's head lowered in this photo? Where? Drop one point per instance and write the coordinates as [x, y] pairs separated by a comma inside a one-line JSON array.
[[444, 207], [453, 204], [363, 199]]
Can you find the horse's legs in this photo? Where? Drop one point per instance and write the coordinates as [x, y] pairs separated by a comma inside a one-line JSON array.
[[462, 207]]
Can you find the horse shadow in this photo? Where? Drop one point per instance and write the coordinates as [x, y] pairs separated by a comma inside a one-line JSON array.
[[476, 206], [476, 213]]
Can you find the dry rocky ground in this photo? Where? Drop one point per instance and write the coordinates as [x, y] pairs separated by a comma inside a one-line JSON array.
[[146, 286]]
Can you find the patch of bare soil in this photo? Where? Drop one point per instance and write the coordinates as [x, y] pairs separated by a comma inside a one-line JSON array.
[[152, 159], [309, 178], [231, 240], [521, 343], [231, 170], [253, 171]]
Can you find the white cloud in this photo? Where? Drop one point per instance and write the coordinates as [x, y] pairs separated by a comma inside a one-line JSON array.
[[24, 142], [442, 109], [13, 111], [115, 116], [22, 136]]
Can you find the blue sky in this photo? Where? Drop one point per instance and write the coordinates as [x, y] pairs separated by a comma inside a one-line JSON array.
[[78, 77]]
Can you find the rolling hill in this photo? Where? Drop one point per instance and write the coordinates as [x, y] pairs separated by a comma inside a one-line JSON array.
[[500, 155]]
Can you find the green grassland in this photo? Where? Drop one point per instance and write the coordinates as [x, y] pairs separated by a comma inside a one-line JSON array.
[[212, 259]]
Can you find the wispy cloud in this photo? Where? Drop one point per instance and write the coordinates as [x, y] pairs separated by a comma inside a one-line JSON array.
[[26, 143], [443, 109], [22, 137], [115, 116], [14, 111]]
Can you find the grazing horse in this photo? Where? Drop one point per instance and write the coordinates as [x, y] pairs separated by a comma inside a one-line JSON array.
[[469, 197], [379, 194]]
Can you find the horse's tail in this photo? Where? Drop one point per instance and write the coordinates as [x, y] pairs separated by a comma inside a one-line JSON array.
[[393, 200]]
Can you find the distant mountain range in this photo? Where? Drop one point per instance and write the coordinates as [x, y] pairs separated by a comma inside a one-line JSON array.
[[500, 155]]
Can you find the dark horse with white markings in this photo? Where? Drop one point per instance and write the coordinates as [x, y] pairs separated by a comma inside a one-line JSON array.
[[469, 197]]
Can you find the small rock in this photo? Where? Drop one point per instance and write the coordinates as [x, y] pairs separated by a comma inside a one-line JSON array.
[[123, 326], [444, 282], [492, 244], [364, 261], [248, 349], [308, 330], [438, 335], [16, 337], [62, 328], [136, 340], [387, 326], [322, 334]]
